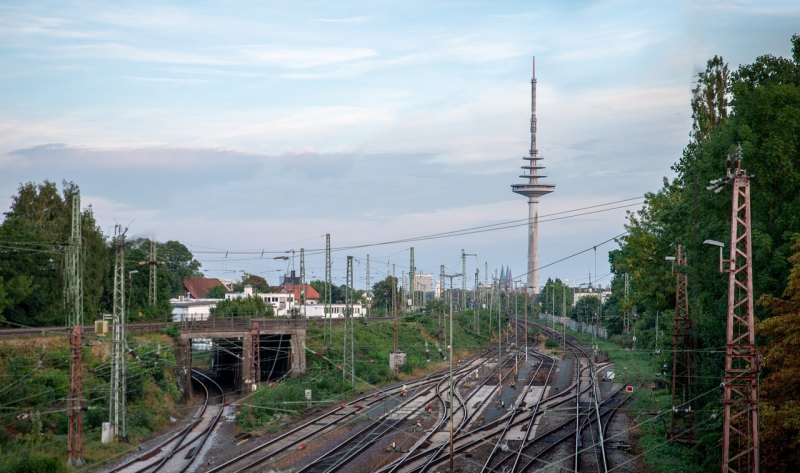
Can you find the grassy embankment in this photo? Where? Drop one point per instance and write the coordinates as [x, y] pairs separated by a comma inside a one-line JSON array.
[[35, 383], [271, 405], [649, 409]]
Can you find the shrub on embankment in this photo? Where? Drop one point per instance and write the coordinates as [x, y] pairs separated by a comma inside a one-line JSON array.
[[35, 383]]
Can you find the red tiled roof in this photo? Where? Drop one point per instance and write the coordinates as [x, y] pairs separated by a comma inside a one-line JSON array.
[[311, 293], [199, 287]]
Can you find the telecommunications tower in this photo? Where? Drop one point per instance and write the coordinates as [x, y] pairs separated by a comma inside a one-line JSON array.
[[533, 189]]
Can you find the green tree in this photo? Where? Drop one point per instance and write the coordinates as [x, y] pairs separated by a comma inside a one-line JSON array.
[[779, 402], [243, 307], [217, 292], [258, 283], [384, 294], [33, 235], [179, 264], [337, 293]]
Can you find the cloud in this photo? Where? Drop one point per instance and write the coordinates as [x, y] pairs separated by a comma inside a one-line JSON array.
[[302, 58], [353, 20]]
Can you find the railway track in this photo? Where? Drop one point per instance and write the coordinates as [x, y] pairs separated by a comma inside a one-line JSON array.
[[365, 418], [180, 451], [517, 436]]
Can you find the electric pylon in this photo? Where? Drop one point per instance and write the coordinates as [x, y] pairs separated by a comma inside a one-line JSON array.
[[75, 401], [73, 273], [478, 296], [740, 446], [152, 293], [152, 262], [255, 355], [348, 353], [463, 281], [441, 298], [681, 428], [117, 409], [411, 275], [328, 293], [369, 288], [73, 270], [394, 291], [303, 279], [441, 282]]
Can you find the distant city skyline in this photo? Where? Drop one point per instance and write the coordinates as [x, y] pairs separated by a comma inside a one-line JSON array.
[[264, 125]]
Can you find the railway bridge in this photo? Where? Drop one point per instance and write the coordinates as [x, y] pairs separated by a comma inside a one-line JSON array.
[[279, 349]]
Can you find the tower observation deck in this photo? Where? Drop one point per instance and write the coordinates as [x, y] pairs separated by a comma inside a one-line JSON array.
[[532, 188]]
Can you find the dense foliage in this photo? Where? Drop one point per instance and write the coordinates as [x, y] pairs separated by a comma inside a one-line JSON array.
[[33, 236], [756, 108], [33, 239], [36, 381], [243, 307]]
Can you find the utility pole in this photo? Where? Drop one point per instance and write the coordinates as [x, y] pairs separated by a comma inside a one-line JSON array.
[[463, 281], [478, 306], [625, 318], [442, 291], [740, 445], [75, 401], [369, 289], [255, 355], [349, 350], [395, 288], [681, 352], [403, 285], [328, 293], [303, 279], [73, 271], [117, 408], [73, 275], [153, 263], [412, 272]]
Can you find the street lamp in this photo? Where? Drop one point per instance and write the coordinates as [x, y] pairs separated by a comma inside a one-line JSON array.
[[720, 245], [451, 276]]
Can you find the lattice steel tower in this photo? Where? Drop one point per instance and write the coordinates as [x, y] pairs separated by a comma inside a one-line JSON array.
[[681, 428], [348, 352], [411, 283], [533, 189], [740, 445], [117, 409], [73, 271]]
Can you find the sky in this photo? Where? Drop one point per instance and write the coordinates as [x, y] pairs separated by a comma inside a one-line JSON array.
[[250, 129]]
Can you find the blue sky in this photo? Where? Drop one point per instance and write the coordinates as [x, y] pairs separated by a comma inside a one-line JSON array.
[[264, 125]]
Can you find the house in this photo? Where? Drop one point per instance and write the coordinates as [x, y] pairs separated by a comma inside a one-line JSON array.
[[198, 287], [281, 302], [291, 284], [191, 309]]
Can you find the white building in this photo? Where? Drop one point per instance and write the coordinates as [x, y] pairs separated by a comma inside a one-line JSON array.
[[599, 293], [192, 309], [281, 302], [337, 310], [423, 283]]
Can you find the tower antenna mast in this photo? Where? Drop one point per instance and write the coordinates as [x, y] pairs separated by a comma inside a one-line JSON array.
[[533, 189]]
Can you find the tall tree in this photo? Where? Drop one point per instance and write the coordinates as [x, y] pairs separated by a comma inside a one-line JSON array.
[[780, 385], [33, 235]]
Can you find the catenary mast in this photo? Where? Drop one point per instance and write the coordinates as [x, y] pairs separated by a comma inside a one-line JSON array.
[[533, 189]]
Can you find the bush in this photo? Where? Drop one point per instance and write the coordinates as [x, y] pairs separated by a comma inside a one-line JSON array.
[[35, 464], [172, 331]]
